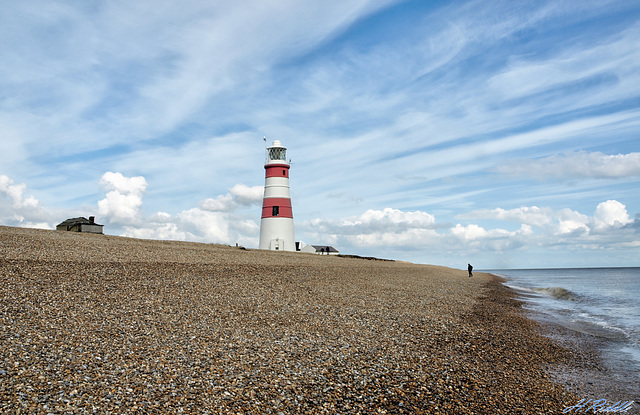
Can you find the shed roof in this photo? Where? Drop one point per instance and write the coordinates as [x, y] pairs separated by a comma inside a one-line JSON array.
[[78, 221]]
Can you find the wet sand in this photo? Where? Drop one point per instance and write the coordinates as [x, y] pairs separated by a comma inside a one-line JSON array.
[[99, 324], [591, 374]]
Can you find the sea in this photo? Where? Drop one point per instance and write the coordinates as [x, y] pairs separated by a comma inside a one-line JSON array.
[[602, 304]]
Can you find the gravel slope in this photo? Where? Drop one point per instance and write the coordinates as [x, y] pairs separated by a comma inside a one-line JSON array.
[[104, 324]]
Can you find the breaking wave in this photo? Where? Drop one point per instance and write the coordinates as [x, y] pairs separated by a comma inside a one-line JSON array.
[[557, 292]]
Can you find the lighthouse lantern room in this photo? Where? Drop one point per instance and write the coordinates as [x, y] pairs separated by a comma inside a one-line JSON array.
[[276, 224]]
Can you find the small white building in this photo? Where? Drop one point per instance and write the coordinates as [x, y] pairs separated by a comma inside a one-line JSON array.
[[320, 249], [80, 225]]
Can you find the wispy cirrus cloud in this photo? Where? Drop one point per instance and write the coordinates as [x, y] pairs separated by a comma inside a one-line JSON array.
[[131, 72], [577, 165]]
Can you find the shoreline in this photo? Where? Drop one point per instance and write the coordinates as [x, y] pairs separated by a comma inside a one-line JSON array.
[[592, 373], [126, 325], [593, 376]]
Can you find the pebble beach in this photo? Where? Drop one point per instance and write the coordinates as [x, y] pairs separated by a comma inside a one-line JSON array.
[[105, 324]]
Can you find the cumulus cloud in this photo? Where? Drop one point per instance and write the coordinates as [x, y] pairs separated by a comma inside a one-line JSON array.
[[221, 220], [538, 227], [198, 225], [533, 215], [222, 203], [166, 231], [475, 237], [123, 201], [16, 193], [475, 232], [247, 196], [239, 195], [214, 220], [19, 210], [577, 165], [611, 214], [559, 222], [375, 228], [387, 232], [381, 221], [607, 215]]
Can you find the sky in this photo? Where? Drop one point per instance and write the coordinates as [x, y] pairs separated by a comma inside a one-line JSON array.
[[505, 134]]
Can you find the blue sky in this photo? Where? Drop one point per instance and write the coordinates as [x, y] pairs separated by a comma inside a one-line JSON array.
[[505, 134]]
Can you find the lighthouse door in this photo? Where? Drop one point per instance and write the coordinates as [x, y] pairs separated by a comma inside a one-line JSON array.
[[275, 244]]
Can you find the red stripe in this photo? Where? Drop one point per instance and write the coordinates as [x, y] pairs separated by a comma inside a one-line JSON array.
[[277, 170], [284, 207]]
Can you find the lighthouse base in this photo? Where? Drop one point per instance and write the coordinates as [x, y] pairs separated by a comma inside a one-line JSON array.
[[276, 234]]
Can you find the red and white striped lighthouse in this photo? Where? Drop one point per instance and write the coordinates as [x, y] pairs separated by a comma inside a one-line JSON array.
[[276, 225]]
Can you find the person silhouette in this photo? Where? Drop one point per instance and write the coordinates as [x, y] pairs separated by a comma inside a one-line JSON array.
[[470, 268]]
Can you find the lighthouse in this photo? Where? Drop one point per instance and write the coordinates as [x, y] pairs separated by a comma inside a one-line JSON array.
[[276, 225]]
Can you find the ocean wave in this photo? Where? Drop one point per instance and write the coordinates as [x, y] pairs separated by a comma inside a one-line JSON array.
[[518, 288], [497, 274], [557, 292], [599, 328]]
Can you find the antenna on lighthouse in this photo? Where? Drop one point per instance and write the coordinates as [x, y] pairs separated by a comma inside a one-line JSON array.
[[266, 152]]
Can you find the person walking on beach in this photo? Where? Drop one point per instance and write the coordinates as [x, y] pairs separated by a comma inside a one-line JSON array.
[[470, 268]]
